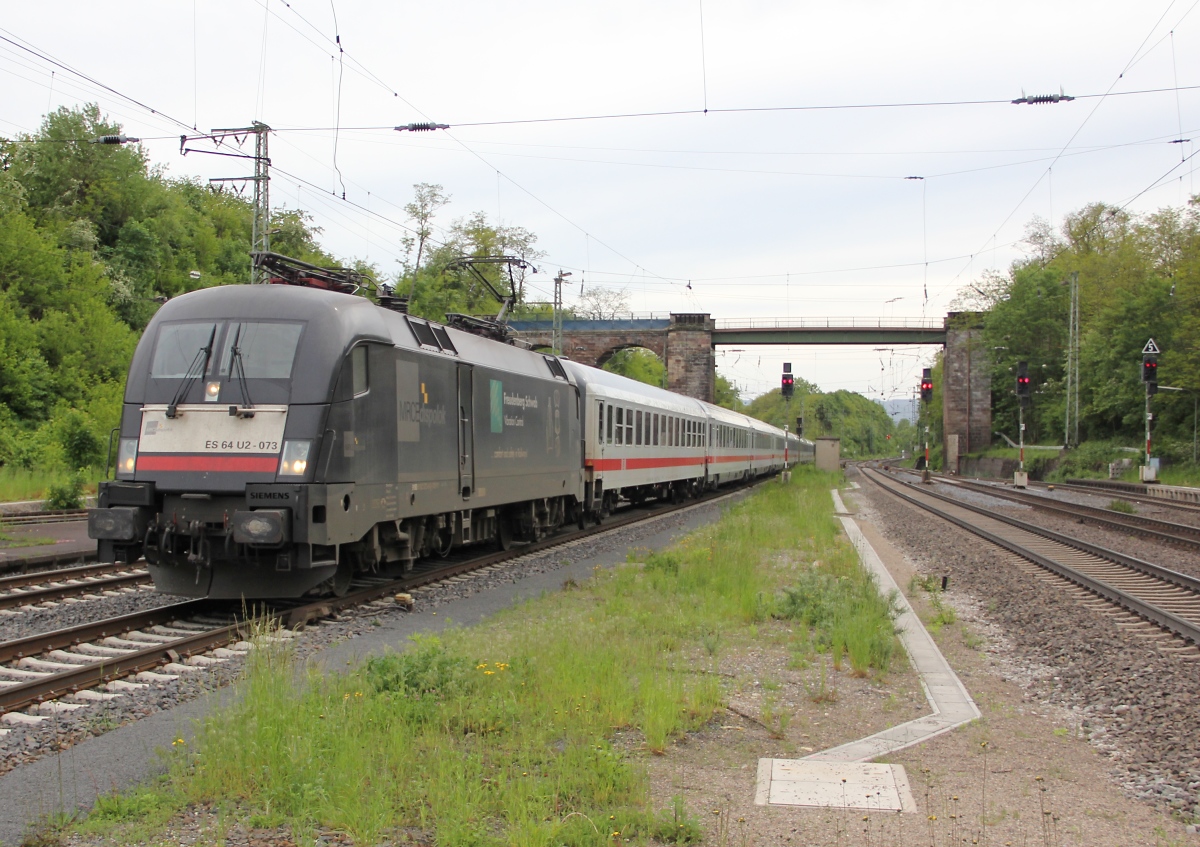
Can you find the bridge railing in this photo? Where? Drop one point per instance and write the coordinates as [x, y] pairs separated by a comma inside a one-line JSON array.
[[830, 323]]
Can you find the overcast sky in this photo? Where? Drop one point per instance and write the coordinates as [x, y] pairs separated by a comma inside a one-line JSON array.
[[772, 214]]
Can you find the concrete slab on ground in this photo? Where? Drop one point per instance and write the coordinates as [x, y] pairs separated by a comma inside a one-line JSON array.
[[841, 785]]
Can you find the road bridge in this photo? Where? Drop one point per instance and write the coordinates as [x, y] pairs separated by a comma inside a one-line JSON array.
[[686, 343]]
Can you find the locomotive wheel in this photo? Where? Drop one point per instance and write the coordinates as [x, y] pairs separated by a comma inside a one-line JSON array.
[[342, 577]]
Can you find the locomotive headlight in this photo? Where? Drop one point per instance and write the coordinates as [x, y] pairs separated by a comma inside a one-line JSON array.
[[127, 457], [294, 461], [211, 392]]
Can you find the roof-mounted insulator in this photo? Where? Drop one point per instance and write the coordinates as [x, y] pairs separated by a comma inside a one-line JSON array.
[[426, 126], [1039, 99], [114, 139]]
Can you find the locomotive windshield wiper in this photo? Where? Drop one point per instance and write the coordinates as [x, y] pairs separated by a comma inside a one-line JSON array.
[[189, 377], [237, 370]]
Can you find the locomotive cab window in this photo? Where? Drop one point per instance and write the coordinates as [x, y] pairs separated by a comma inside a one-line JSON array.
[[179, 349], [260, 349]]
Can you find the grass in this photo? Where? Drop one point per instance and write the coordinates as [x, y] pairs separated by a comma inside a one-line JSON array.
[[1123, 506], [7, 540], [533, 729], [22, 484], [1187, 475]]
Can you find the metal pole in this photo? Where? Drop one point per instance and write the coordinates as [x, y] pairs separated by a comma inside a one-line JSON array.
[[1147, 425], [556, 331], [1021, 428], [261, 235]]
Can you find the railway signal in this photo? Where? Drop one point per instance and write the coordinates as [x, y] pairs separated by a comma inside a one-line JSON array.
[[787, 383], [926, 385], [1150, 378], [1024, 390], [1150, 372]]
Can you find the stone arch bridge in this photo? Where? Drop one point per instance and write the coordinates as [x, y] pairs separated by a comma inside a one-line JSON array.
[[686, 343]]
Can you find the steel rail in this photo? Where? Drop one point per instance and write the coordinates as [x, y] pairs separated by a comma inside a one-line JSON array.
[[1182, 627], [1157, 493], [1172, 533], [81, 572], [34, 518], [1149, 568], [32, 645], [58, 592]]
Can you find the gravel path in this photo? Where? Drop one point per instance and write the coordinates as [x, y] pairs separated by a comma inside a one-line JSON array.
[[1138, 704]]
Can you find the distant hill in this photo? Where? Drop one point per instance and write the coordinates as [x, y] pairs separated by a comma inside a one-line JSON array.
[[899, 409]]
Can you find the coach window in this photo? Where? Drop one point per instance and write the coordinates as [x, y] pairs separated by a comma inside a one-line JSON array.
[[638, 429], [654, 430], [600, 423], [620, 425], [628, 427], [358, 366], [609, 423]]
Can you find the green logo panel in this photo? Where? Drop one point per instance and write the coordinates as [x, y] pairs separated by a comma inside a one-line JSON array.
[[497, 405]]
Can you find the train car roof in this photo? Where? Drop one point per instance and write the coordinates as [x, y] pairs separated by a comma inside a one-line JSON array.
[[605, 384]]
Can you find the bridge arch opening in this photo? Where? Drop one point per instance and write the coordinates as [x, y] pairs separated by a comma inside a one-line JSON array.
[[635, 362]]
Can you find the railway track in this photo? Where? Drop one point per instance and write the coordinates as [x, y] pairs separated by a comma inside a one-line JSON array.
[[55, 585], [64, 670], [1173, 495], [1165, 598], [35, 518], [1168, 532]]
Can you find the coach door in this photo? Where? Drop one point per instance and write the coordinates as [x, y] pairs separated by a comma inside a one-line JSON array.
[[466, 433]]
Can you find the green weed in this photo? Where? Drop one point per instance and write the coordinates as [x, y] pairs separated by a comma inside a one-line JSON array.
[[531, 729], [1123, 506]]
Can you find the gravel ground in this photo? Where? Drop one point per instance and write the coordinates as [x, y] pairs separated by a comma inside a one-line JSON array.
[[1168, 556], [1144, 507], [26, 743], [24, 621], [1138, 704]]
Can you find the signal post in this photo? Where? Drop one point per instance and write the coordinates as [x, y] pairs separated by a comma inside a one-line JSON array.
[[1150, 378], [1020, 477], [926, 398]]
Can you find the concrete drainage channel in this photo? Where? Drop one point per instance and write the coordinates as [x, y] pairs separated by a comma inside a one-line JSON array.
[[844, 776]]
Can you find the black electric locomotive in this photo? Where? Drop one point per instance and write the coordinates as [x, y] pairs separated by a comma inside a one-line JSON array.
[[275, 440]]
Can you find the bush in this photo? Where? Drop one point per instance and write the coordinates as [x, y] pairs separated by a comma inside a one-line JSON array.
[[81, 448], [66, 495]]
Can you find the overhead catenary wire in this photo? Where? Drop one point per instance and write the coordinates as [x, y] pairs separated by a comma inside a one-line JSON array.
[[1099, 102]]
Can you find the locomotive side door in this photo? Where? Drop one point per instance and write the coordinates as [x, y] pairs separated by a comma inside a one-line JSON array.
[[466, 433]]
